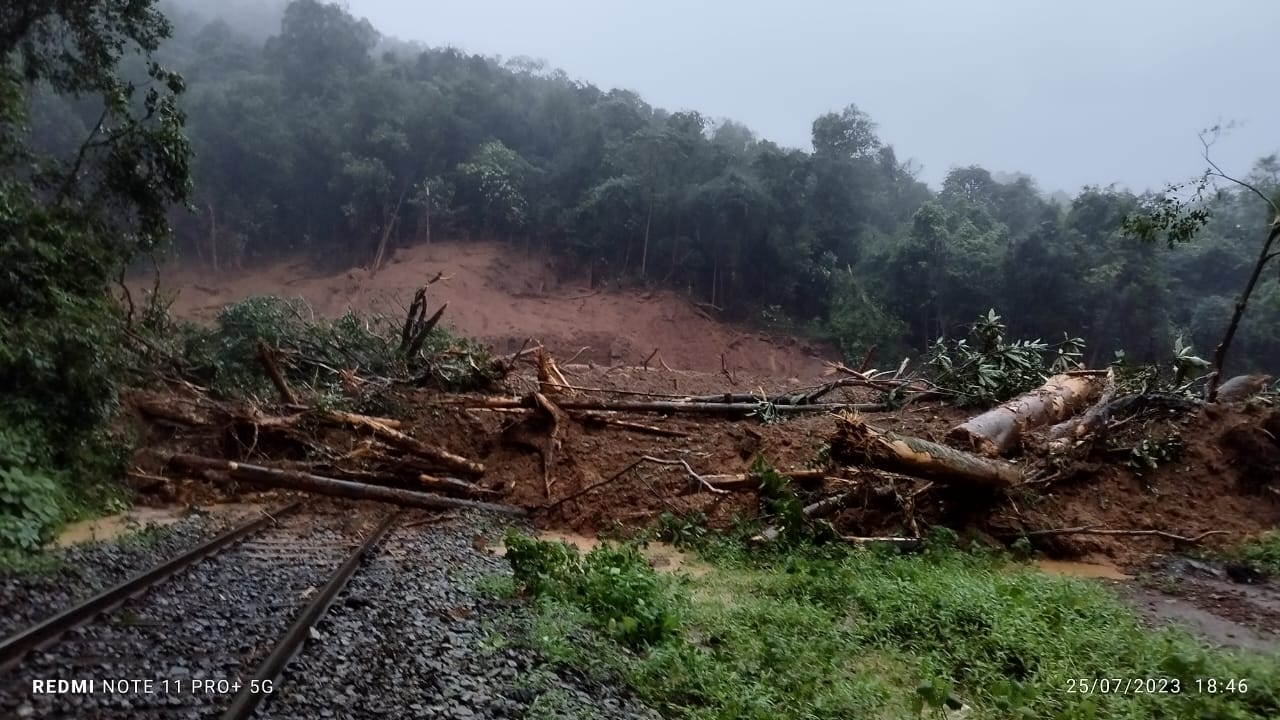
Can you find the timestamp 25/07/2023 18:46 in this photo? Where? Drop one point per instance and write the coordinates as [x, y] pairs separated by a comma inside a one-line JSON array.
[[1156, 686]]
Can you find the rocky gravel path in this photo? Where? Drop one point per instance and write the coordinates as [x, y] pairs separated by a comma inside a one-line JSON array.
[[214, 621], [83, 570], [410, 636]]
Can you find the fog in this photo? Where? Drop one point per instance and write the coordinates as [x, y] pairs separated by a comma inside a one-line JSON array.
[[1072, 93]]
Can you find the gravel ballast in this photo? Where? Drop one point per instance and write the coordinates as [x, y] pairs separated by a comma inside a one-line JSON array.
[[408, 639], [86, 569], [409, 636], [211, 622]]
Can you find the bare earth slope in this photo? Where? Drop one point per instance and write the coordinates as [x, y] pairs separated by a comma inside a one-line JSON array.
[[499, 296]]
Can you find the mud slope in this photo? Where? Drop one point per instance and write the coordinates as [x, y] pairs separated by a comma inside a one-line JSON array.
[[498, 296]]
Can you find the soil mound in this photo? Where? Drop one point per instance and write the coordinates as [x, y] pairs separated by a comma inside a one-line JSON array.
[[501, 297]]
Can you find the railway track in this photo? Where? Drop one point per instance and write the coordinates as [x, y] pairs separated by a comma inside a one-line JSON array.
[[204, 634]]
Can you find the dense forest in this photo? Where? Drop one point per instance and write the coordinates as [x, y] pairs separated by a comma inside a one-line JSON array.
[[330, 139]]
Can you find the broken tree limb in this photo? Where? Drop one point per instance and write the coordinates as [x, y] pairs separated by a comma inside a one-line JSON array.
[[901, 544], [319, 485], [400, 440], [550, 379], [555, 414], [1062, 434], [588, 418], [408, 479], [858, 443], [656, 406], [749, 481], [996, 432], [267, 356], [1103, 416]]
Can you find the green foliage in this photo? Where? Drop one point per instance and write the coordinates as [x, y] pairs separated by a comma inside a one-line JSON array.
[[986, 368], [839, 633], [310, 142], [30, 508], [1262, 552], [1149, 453], [858, 321], [613, 583], [76, 207], [1169, 216], [316, 351], [682, 531], [782, 508]]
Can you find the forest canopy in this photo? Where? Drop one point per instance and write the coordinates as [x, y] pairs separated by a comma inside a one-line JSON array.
[[329, 139]]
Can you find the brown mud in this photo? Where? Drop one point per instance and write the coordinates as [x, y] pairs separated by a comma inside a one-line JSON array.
[[1216, 471]]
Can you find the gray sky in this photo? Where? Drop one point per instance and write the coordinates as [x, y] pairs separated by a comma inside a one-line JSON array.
[[1073, 93]]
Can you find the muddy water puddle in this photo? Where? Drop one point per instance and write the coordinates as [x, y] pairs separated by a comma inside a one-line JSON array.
[[113, 527], [662, 557], [1077, 569]]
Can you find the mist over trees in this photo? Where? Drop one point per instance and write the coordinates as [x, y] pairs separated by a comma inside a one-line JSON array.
[[327, 138]]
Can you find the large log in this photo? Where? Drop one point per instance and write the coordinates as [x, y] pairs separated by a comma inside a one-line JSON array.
[[1242, 387], [857, 443], [319, 485], [996, 432], [656, 406]]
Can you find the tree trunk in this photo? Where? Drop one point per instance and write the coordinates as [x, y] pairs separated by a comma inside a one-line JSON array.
[[997, 431], [395, 438], [1220, 353], [213, 237], [644, 251], [319, 485], [389, 223], [659, 406], [426, 210], [856, 442]]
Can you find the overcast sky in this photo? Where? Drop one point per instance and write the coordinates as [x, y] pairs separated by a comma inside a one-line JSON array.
[[1071, 92]]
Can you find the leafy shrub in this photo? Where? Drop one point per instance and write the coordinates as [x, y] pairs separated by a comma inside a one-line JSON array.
[[986, 368], [30, 508], [614, 583], [1263, 553], [316, 351]]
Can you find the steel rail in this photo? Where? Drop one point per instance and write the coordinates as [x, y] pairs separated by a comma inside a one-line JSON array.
[[16, 646], [252, 691]]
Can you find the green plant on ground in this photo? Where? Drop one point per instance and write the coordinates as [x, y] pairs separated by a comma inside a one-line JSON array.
[[613, 583], [1263, 552], [834, 632]]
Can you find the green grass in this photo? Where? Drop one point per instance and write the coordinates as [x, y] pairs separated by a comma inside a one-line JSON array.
[[838, 633], [1262, 552]]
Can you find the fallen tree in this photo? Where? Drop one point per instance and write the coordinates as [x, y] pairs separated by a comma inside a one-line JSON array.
[[998, 431], [857, 443], [319, 485], [397, 439], [657, 406]]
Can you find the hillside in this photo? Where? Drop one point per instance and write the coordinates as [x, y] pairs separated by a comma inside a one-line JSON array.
[[503, 298]]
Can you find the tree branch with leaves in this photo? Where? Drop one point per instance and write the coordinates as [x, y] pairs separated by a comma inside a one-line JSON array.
[[1179, 220]]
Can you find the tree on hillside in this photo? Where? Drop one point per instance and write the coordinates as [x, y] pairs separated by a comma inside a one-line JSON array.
[[1177, 220], [69, 223]]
